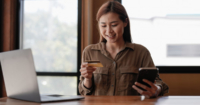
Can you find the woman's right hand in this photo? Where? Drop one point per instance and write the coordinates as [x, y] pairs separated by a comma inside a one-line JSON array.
[[87, 71]]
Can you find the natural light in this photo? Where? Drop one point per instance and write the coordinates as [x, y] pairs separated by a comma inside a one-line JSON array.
[[170, 29]]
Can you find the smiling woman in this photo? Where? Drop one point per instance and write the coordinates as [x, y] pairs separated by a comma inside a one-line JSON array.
[[121, 59]]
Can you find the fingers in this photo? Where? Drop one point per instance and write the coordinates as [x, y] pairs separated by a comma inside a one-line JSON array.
[[143, 86], [150, 83], [89, 69], [150, 91], [86, 74], [84, 64], [86, 71], [146, 93]]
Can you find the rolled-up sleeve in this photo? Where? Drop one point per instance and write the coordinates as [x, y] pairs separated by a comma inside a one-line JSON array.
[[164, 87], [82, 89], [148, 62]]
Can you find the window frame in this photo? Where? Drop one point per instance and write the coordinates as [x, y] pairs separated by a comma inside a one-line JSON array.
[[176, 69], [69, 74]]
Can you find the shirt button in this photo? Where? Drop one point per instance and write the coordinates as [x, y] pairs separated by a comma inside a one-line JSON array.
[[112, 85], [113, 73], [113, 62]]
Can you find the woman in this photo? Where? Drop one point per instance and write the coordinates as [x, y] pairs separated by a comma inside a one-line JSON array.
[[120, 57]]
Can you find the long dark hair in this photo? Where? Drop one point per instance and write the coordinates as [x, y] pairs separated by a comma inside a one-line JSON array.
[[115, 7]]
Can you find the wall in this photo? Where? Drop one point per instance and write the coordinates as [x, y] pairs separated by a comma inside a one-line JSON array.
[[182, 84], [89, 29]]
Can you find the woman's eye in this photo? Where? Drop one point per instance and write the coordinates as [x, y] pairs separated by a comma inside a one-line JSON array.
[[114, 25], [103, 26]]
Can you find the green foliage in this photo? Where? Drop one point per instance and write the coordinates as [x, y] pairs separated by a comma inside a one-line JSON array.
[[53, 42]]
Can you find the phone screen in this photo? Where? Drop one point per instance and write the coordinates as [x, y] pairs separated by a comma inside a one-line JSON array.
[[147, 73]]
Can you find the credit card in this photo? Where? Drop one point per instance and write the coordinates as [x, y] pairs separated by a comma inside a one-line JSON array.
[[94, 63]]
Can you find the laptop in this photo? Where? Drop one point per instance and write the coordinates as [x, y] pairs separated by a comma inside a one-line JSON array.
[[21, 80]]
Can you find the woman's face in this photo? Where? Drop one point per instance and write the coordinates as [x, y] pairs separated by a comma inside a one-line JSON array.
[[111, 27]]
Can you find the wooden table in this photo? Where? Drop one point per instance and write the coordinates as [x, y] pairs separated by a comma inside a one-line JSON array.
[[114, 100]]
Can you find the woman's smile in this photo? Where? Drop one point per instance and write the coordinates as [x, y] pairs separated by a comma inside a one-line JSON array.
[[111, 36]]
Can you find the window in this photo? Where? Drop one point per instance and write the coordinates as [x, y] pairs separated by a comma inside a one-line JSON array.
[[51, 28], [168, 28]]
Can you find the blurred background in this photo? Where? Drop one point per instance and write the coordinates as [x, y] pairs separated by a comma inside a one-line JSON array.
[[168, 28]]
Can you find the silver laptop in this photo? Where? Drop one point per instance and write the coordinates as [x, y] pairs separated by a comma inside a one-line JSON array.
[[21, 79]]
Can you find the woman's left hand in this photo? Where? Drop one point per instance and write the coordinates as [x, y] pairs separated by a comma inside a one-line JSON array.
[[150, 92]]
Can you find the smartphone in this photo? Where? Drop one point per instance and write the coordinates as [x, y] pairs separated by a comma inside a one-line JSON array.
[[148, 73]]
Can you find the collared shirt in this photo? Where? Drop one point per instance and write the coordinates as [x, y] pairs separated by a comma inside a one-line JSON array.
[[118, 74]]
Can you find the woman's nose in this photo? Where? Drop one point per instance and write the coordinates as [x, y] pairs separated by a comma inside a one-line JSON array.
[[109, 30]]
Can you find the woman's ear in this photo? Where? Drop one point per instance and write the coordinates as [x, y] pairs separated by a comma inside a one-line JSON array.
[[126, 22]]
